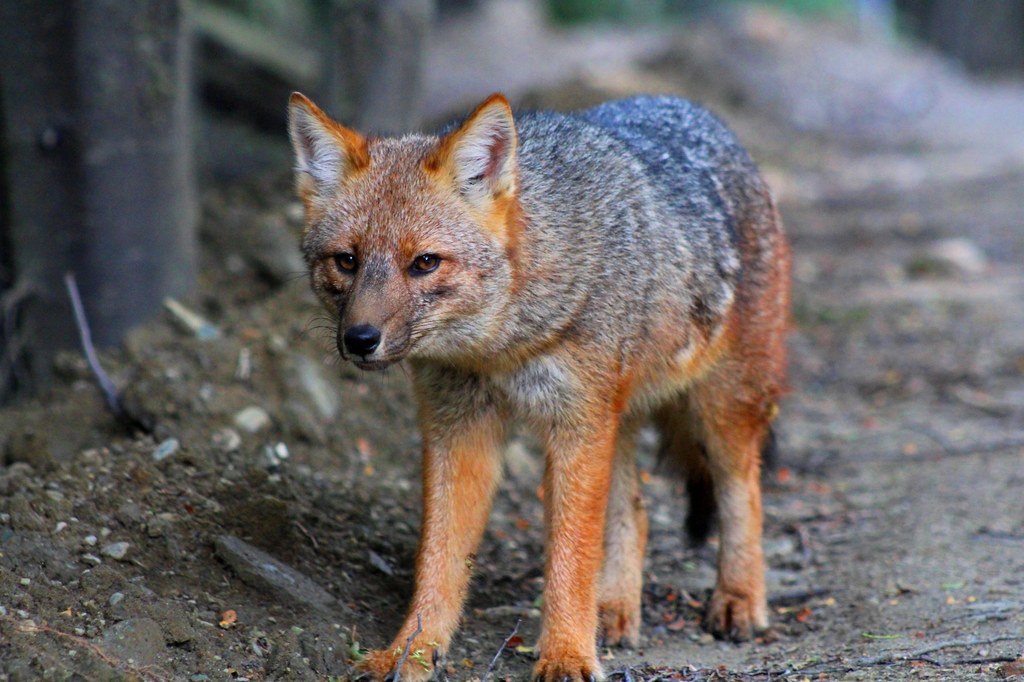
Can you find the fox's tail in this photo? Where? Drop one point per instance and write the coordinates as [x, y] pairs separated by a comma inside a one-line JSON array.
[[700, 519]]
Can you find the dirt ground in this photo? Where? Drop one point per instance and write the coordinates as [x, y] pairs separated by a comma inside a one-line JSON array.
[[264, 529]]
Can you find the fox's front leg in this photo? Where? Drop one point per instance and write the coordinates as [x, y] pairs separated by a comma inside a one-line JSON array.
[[577, 479], [461, 466]]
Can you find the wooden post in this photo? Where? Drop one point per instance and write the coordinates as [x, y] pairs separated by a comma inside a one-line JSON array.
[[96, 159]]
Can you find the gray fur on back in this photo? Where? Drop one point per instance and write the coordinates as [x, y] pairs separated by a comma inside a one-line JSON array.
[[645, 194]]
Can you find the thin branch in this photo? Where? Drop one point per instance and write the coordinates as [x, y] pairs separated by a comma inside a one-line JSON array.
[[892, 656], [494, 661], [151, 673], [408, 644], [107, 387], [921, 655]]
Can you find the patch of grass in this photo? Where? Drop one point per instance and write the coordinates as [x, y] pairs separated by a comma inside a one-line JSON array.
[[569, 12], [807, 315]]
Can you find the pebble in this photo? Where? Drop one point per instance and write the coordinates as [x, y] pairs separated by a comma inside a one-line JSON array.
[[61, 525], [190, 321], [26, 581], [136, 640], [92, 559], [227, 440], [959, 254], [90, 540], [275, 454], [166, 449], [160, 524], [116, 598], [295, 214], [116, 550], [321, 393], [258, 569], [252, 419], [199, 677]]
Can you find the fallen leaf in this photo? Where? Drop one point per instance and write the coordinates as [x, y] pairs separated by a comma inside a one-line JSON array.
[[228, 618], [803, 615]]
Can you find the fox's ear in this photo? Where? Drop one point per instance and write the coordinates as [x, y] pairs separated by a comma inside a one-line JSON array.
[[326, 152], [481, 154]]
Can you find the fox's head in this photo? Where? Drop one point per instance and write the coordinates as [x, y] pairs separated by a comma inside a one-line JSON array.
[[409, 240]]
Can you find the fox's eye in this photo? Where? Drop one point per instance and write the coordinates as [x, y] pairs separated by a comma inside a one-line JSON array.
[[425, 263], [345, 262]]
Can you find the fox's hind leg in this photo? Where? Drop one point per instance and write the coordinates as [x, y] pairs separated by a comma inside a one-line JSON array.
[[625, 539], [734, 424]]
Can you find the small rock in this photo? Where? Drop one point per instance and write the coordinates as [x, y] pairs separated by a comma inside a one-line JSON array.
[[116, 550], [273, 455], [26, 581], [190, 321], [90, 540], [160, 524], [61, 525], [116, 598], [380, 563], [227, 440], [322, 394], [260, 570], [961, 254], [137, 641], [252, 419], [520, 463], [92, 559], [199, 677], [948, 257], [295, 214], [166, 449]]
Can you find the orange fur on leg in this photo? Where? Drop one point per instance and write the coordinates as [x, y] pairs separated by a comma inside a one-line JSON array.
[[625, 539], [460, 474], [577, 479]]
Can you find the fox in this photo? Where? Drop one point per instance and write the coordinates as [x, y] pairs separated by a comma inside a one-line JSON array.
[[585, 274]]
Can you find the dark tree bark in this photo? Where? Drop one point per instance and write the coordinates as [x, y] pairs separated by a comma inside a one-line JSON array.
[[985, 35], [97, 164], [373, 62]]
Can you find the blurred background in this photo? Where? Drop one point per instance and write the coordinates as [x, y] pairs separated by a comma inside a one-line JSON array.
[[114, 114], [143, 148]]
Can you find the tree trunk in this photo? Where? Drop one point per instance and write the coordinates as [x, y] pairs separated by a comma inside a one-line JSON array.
[[372, 76], [97, 165], [985, 35]]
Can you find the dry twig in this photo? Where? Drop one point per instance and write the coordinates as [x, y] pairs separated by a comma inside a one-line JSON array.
[[497, 655], [408, 645], [110, 394]]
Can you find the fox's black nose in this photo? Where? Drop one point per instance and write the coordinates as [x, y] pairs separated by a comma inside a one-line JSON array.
[[362, 339]]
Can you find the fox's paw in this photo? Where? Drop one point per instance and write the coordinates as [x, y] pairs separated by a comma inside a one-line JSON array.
[[380, 666], [567, 669], [735, 616], [620, 623]]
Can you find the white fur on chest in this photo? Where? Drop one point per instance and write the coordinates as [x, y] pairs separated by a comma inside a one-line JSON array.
[[542, 388]]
